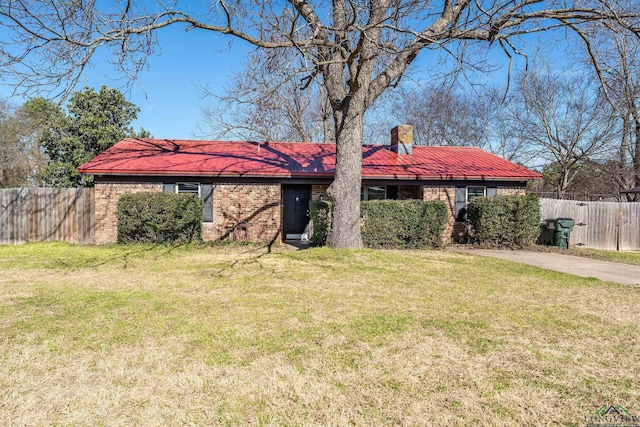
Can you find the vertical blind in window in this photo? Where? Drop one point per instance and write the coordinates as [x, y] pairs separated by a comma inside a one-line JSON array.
[[204, 190], [465, 194]]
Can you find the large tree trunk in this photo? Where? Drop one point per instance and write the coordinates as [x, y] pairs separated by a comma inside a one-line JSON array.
[[344, 191]]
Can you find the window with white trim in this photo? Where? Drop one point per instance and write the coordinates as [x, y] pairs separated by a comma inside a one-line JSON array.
[[203, 190], [373, 193], [188, 187], [473, 192], [463, 196]]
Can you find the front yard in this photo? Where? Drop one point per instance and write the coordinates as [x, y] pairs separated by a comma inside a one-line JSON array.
[[236, 335]]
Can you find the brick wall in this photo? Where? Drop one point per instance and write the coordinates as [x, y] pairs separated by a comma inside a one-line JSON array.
[[260, 205], [106, 199], [455, 231], [257, 204], [511, 191], [319, 190], [448, 196], [209, 231]]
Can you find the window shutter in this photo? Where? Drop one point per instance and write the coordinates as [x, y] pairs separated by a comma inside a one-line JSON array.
[[392, 192], [206, 193], [461, 203], [492, 191], [168, 187]]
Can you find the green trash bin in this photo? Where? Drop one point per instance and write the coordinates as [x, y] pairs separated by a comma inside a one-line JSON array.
[[562, 228]]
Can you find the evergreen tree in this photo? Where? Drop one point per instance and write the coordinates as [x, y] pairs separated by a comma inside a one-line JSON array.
[[95, 121]]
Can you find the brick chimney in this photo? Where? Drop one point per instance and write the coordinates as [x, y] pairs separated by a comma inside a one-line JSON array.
[[402, 139]]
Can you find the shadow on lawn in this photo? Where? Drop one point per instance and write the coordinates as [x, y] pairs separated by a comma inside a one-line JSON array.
[[126, 253], [134, 250], [256, 253]]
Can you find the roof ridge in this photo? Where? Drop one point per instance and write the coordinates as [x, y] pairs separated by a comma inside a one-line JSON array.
[[228, 141], [156, 156]]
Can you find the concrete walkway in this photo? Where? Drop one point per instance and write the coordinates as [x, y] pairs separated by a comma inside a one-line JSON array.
[[579, 266]]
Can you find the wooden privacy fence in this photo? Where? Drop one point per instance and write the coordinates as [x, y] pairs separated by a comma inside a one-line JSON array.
[[46, 214], [598, 225]]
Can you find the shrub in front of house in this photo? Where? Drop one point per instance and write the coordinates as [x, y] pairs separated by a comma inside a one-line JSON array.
[[159, 218], [320, 213], [505, 221], [408, 224]]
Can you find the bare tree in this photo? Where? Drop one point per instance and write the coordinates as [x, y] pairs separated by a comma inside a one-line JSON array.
[[356, 48], [269, 100], [446, 114], [618, 56], [505, 138], [564, 121], [22, 160]]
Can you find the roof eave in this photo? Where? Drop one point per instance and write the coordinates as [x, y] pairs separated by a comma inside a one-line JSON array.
[[309, 175]]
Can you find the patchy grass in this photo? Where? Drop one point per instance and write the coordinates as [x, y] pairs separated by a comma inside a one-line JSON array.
[[625, 257], [230, 336]]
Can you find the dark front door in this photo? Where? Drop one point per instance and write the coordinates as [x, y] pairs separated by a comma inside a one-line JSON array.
[[296, 210]]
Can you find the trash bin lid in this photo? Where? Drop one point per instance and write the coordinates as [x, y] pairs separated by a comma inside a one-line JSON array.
[[565, 222]]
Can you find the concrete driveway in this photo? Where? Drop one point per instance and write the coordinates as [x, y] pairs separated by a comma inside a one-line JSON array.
[[579, 266]]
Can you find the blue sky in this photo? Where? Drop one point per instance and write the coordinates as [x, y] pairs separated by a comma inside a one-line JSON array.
[[168, 93]]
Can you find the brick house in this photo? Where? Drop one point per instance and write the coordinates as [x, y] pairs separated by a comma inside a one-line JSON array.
[[266, 186]]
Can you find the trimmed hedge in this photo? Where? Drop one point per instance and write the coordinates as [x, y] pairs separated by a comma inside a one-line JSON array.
[[505, 221], [320, 212], [159, 218], [408, 224]]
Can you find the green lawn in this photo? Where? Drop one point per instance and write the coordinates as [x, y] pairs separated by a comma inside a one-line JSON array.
[[626, 257], [236, 335]]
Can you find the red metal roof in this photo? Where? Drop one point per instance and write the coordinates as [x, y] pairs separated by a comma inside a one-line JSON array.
[[296, 159]]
